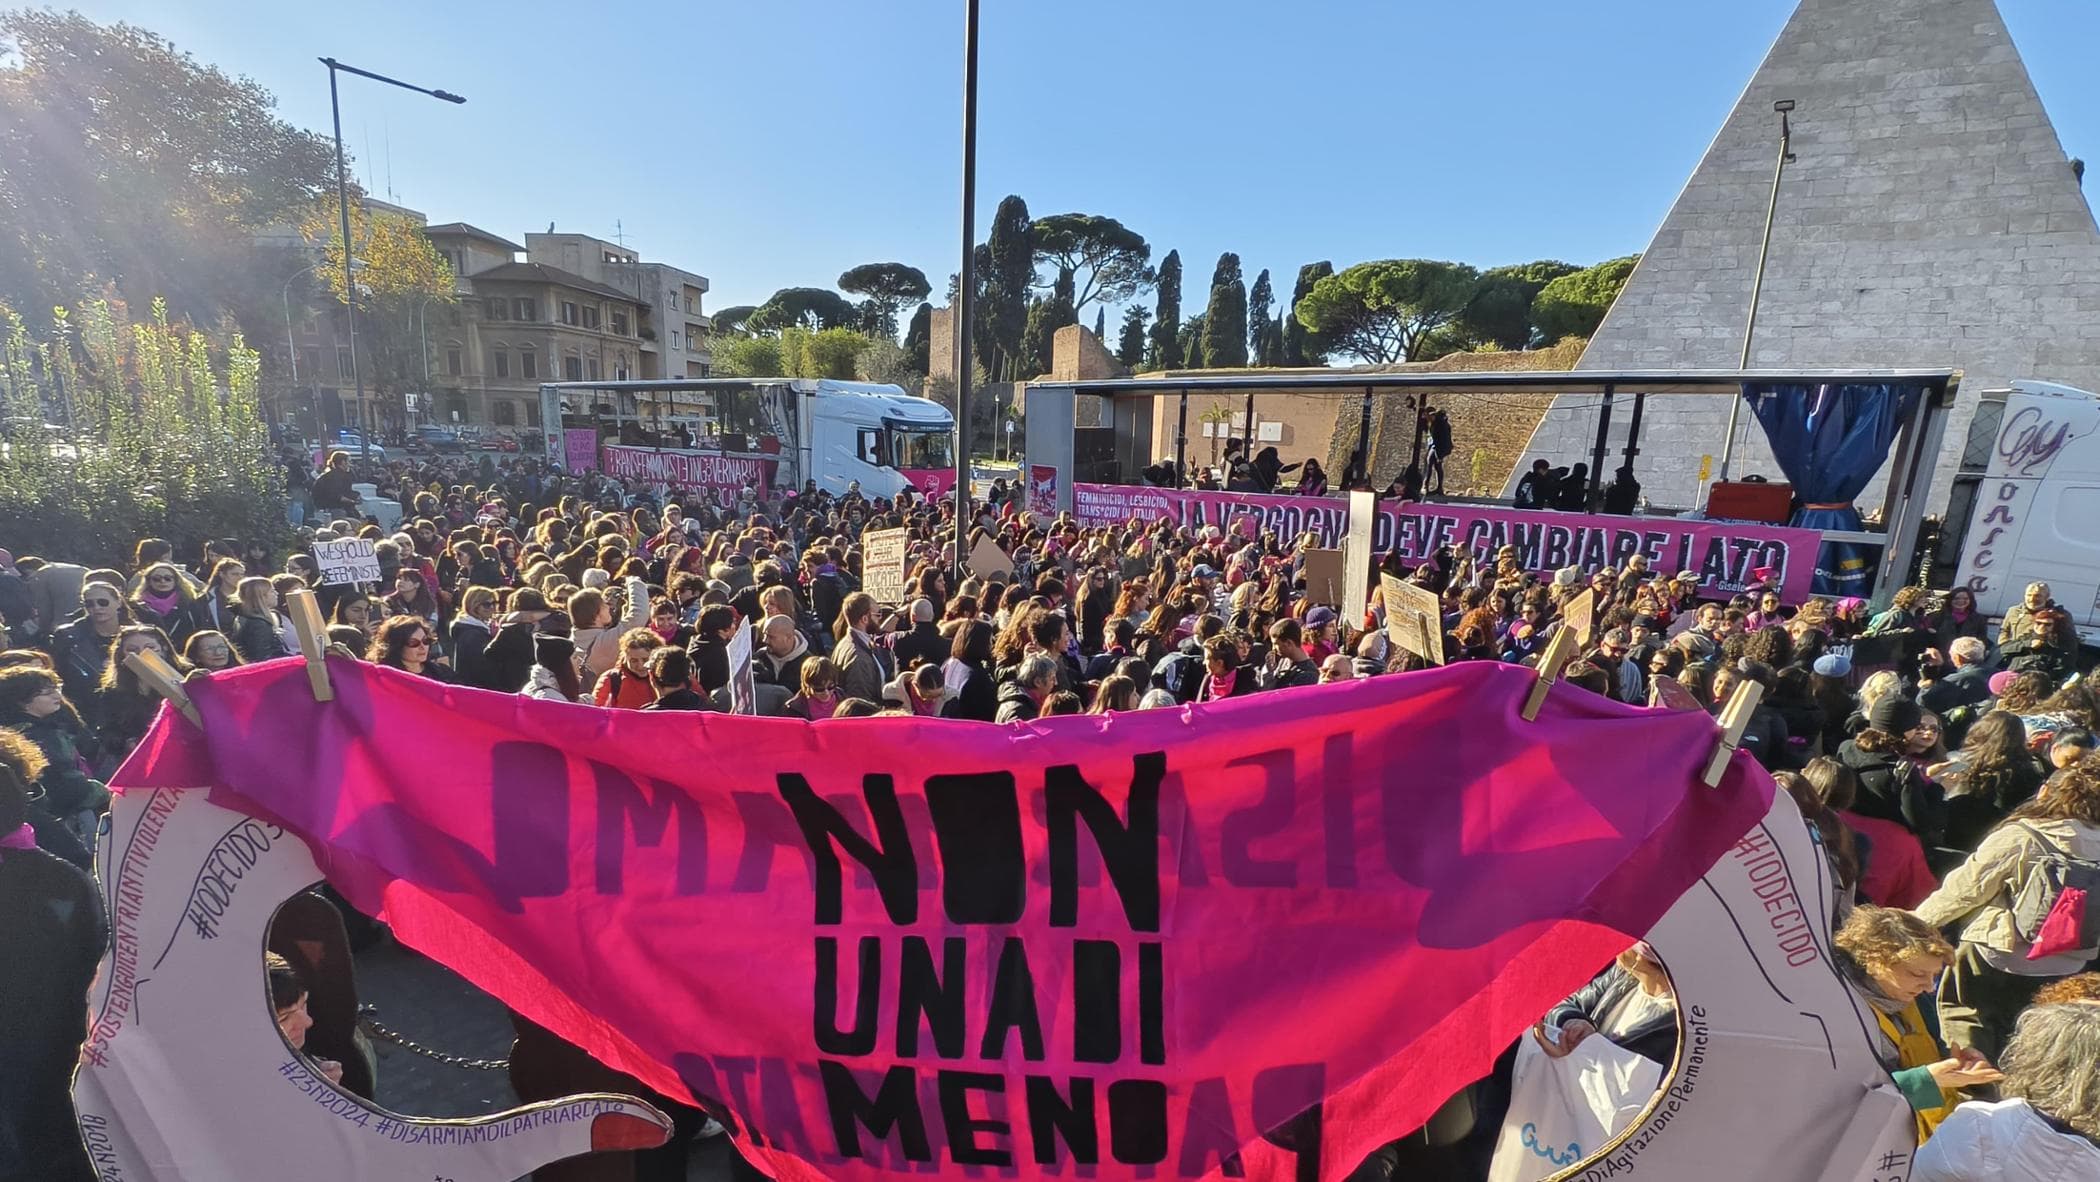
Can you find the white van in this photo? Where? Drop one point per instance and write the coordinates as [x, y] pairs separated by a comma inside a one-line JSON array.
[[2031, 480]]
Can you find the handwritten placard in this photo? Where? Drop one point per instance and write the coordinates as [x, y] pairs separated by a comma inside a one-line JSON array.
[[882, 558], [347, 560]]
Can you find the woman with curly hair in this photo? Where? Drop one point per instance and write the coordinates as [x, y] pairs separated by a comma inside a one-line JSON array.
[[1995, 773], [1891, 958], [2046, 1127], [33, 703]]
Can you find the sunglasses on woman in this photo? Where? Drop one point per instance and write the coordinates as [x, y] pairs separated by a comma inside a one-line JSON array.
[[417, 642]]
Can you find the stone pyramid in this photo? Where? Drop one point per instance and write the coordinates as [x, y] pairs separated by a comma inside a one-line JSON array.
[[1931, 218]]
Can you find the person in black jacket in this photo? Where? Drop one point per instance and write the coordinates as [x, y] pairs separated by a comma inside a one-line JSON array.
[[1538, 489], [671, 675], [1021, 699], [970, 660], [506, 661], [56, 931], [1891, 787], [710, 648], [1631, 1003], [923, 644], [469, 635], [333, 496], [1289, 664]]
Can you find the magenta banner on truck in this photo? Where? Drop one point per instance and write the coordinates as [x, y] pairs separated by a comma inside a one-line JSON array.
[[685, 470], [1723, 553]]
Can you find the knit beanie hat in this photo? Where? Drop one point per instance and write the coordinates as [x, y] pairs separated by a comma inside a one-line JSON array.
[[1894, 714]]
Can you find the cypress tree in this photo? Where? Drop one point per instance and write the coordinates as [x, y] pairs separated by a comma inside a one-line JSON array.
[[1302, 346], [1225, 320], [1167, 352], [1259, 297], [1130, 350]]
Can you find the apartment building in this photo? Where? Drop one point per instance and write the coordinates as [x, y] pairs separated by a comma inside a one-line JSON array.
[[674, 337], [518, 324]]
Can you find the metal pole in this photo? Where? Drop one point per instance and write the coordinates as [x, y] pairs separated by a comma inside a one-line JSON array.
[[423, 323], [1181, 443], [342, 198], [291, 349], [1589, 498], [1757, 282], [964, 292]]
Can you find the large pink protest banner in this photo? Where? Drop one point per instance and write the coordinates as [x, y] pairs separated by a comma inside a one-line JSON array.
[[1135, 945], [1723, 553], [704, 471]]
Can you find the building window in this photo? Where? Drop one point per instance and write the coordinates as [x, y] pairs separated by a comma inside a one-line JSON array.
[[499, 363], [526, 308], [506, 413], [692, 304], [591, 368], [677, 342], [620, 368], [342, 362], [455, 361], [497, 309], [528, 364], [313, 364], [569, 313], [590, 315], [572, 368], [693, 337], [706, 370], [532, 414], [619, 323]]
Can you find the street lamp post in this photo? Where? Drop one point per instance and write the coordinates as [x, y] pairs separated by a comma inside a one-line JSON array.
[[342, 197], [1757, 282], [965, 291]]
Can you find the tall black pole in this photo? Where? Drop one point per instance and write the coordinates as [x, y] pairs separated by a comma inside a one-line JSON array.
[[342, 198], [965, 293]]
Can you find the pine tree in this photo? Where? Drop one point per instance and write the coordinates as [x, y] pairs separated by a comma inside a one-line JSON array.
[[1130, 350], [1259, 297], [1225, 319], [1167, 352]]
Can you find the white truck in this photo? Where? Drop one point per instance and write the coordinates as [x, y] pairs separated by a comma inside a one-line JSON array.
[[2029, 492], [714, 434]]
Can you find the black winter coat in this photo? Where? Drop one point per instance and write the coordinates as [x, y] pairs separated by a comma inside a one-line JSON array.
[[1016, 704], [924, 643], [1654, 1038], [978, 701], [506, 661], [1893, 789], [257, 638], [52, 914]]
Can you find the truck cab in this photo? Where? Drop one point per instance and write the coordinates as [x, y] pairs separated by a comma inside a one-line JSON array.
[[2031, 479], [877, 436]]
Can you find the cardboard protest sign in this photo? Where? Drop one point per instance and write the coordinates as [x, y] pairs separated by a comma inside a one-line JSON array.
[[1414, 619], [1356, 556], [1579, 616], [347, 560], [883, 553], [743, 693], [1325, 576], [185, 1075], [1053, 923], [986, 558]]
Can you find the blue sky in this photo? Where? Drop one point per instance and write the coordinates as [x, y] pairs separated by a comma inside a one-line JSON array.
[[777, 143]]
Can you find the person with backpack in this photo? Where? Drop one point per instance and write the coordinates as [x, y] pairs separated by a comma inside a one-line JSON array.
[[2041, 860], [1181, 672]]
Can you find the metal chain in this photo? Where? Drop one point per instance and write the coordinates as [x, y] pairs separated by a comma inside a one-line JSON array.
[[378, 1030]]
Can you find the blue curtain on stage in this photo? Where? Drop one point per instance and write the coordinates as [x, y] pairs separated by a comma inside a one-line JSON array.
[[1830, 440]]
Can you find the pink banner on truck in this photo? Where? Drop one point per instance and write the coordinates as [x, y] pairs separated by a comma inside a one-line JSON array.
[[690, 470], [1724, 553], [1126, 946], [580, 449]]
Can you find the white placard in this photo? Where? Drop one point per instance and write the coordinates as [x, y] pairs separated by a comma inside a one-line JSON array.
[[882, 559], [347, 560], [743, 693]]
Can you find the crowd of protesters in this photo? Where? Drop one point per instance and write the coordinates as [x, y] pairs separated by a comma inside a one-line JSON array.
[[1940, 761]]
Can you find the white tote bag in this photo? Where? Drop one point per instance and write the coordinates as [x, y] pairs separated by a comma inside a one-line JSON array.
[[1564, 1110]]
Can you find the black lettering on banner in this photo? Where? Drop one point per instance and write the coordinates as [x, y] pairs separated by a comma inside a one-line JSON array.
[[530, 797], [1338, 808], [767, 826], [1053, 1118], [1137, 1121], [1012, 1006], [1208, 1131], [1624, 544], [936, 995], [893, 863], [1593, 542], [1129, 849], [1097, 1001], [962, 1128], [735, 1069], [1152, 1008], [867, 995], [621, 802], [893, 1109], [1269, 815], [1556, 548], [977, 828], [698, 1076], [1296, 1086]]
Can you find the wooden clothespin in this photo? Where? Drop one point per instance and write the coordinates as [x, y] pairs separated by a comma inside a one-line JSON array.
[[1735, 716], [313, 641], [1559, 651], [161, 679]]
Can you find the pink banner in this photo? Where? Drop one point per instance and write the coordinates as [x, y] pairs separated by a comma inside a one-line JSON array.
[[685, 470], [1130, 944], [1724, 553], [934, 482], [580, 449]]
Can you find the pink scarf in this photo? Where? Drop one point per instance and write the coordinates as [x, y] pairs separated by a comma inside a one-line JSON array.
[[162, 604], [1221, 687], [666, 633], [23, 838]]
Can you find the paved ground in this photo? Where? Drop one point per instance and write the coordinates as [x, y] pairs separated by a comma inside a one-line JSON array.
[[429, 1003]]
